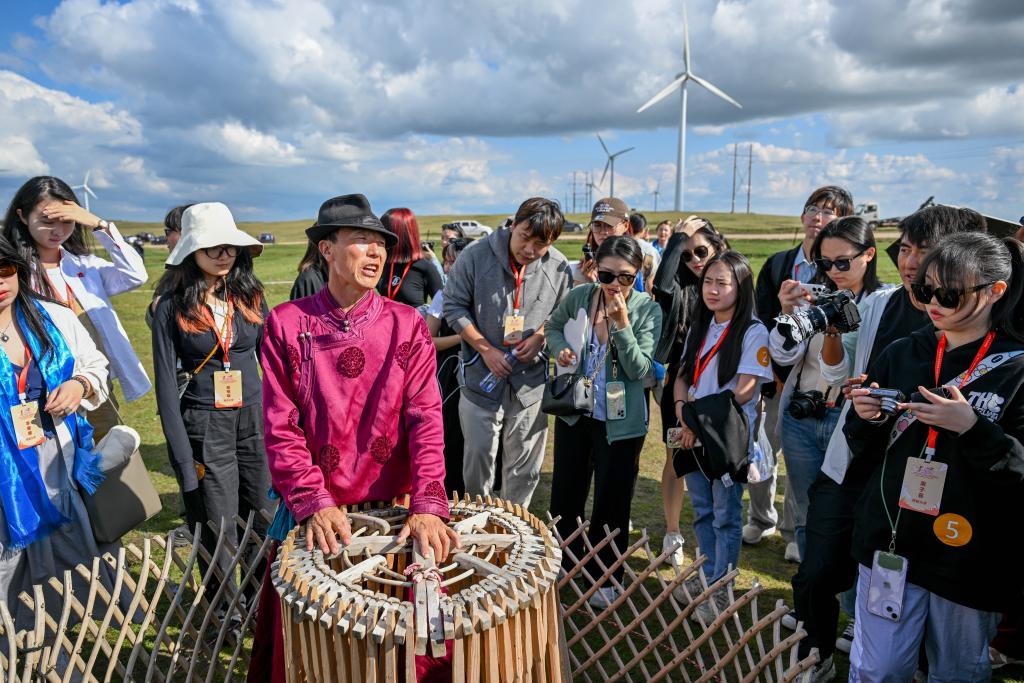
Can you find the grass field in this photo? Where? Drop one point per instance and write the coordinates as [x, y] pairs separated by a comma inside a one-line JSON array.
[[276, 267]]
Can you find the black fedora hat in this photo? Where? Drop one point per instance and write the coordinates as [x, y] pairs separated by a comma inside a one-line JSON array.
[[348, 211]]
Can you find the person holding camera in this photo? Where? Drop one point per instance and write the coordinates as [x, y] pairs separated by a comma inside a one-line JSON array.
[[822, 207], [622, 327], [887, 314], [947, 470], [676, 288], [409, 278], [610, 218]]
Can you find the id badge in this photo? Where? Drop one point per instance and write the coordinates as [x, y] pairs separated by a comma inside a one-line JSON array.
[[514, 325], [922, 486], [615, 401], [227, 389], [887, 585], [27, 426], [674, 437]]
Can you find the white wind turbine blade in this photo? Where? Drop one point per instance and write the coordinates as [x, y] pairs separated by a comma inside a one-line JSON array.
[[665, 92], [621, 152], [686, 42], [605, 171], [715, 90], [603, 146], [89, 190]]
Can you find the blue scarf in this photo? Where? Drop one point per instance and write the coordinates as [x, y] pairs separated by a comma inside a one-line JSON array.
[[26, 505]]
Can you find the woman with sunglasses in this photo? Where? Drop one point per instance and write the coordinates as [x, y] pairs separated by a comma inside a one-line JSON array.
[[51, 373], [211, 322], [843, 254], [52, 231], [692, 245], [947, 468], [621, 328]]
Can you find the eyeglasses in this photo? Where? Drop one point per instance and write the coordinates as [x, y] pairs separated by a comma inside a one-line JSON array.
[[841, 264], [700, 253], [8, 270], [600, 228], [606, 277], [224, 249], [948, 297], [168, 231], [812, 211]]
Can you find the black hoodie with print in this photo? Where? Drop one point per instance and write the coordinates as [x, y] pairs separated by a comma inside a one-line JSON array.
[[984, 486]]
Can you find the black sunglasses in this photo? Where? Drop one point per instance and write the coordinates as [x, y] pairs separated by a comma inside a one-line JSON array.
[[606, 277], [217, 252], [948, 297], [700, 252], [841, 264], [8, 269]]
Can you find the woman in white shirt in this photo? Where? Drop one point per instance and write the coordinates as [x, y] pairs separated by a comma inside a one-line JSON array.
[[49, 227]]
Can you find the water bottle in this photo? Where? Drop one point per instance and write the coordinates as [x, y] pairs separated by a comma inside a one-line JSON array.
[[490, 382]]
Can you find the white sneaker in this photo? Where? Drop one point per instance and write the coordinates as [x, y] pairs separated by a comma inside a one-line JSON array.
[[603, 598], [705, 612], [753, 534], [823, 671], [789, 620], [674, 541], [792, 552], [844, 643], [693, 587]]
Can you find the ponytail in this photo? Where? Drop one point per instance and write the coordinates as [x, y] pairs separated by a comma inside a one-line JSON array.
[[1006, 313]]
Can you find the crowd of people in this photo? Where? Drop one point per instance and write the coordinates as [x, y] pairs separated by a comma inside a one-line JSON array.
[[394, 372]]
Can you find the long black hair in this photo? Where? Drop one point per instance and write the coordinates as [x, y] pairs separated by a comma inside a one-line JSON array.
[[16, 230], [313, 259], [742, 318], [686, 277], [189, 291], [856, 232], [26, 298], [172, 222], [968, 259]]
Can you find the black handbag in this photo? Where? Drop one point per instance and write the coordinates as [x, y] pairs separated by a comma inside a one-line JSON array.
[[571, 393]]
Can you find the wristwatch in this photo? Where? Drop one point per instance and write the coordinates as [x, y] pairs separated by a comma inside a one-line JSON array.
[[102, 225]]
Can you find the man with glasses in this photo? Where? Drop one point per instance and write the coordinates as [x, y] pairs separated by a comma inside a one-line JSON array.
[[610, 218], [823, 206]]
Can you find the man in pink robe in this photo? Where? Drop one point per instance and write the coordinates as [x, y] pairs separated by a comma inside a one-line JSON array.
[[351, 406]]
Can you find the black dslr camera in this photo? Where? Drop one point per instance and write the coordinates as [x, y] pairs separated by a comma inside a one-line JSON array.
[[805, 404], [835, 309]]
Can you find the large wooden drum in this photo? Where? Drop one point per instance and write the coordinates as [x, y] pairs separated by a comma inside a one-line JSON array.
[[367, 613]]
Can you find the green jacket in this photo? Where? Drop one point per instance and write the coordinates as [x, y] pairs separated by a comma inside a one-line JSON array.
[[635, 347]]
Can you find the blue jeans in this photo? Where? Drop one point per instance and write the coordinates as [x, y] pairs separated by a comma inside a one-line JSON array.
[[717, 521], [803, 447], [955, 639]]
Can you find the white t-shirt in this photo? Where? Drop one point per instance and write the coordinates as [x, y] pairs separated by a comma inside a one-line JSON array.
[[436, 307], [754, 360]]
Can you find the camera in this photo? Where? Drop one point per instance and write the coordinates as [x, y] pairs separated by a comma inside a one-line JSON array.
[[588, 252], [888, 398], [836, 309], [805, 404], [427, 245]]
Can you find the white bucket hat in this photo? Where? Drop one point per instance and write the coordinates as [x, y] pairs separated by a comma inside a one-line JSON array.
[[209, 225]]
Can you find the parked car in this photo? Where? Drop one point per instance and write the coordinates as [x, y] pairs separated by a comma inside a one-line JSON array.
[[572, 226], [136, 244], [145, 237], [469, 228], [158, 239], [266, 238]]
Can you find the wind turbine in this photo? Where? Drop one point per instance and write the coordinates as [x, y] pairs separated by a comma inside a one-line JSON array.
[[611, 163], [680, 82], [657, 191], [86, 190]]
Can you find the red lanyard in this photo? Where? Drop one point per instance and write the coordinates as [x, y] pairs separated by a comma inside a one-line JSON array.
[[393, 291], [699, 367], [519, 283], [224, 336], [23, 376], [70, 301], [939, 354]]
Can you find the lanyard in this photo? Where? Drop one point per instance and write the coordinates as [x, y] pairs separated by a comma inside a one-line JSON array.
[[393, 291], [225, 334], [23, 376], [519, 283], [699, 367], [70, 301], [940, 352]]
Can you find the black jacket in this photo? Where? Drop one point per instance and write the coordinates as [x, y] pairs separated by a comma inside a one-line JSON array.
[[776, 270], [675, 290], [984, 480], [721, 426]]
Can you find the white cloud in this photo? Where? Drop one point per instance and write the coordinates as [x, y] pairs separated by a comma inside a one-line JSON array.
[[242, 145], [19, 157]]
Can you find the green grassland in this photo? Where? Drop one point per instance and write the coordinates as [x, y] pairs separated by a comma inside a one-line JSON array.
[[277, 268]]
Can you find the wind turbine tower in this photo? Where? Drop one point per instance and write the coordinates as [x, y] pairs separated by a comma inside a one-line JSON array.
[[611, 163], [86, 190], [657, 191], [681, 82]]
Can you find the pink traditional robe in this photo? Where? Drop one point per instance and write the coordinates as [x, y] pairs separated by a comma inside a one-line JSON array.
[[352, 414]]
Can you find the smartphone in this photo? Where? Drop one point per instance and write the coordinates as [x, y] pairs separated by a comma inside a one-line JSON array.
[[588, 253], [814, 290], [887, 586]]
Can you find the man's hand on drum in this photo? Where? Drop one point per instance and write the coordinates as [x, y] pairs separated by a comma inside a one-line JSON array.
[[431, 532], [324, 527]]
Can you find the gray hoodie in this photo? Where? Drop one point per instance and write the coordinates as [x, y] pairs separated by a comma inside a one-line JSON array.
[[481, 290]]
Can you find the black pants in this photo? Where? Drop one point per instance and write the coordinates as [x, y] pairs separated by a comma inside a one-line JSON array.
[[582, 449], [228, 443], [827, 567]]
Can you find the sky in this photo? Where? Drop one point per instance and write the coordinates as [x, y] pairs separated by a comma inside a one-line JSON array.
[[471, 106]]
